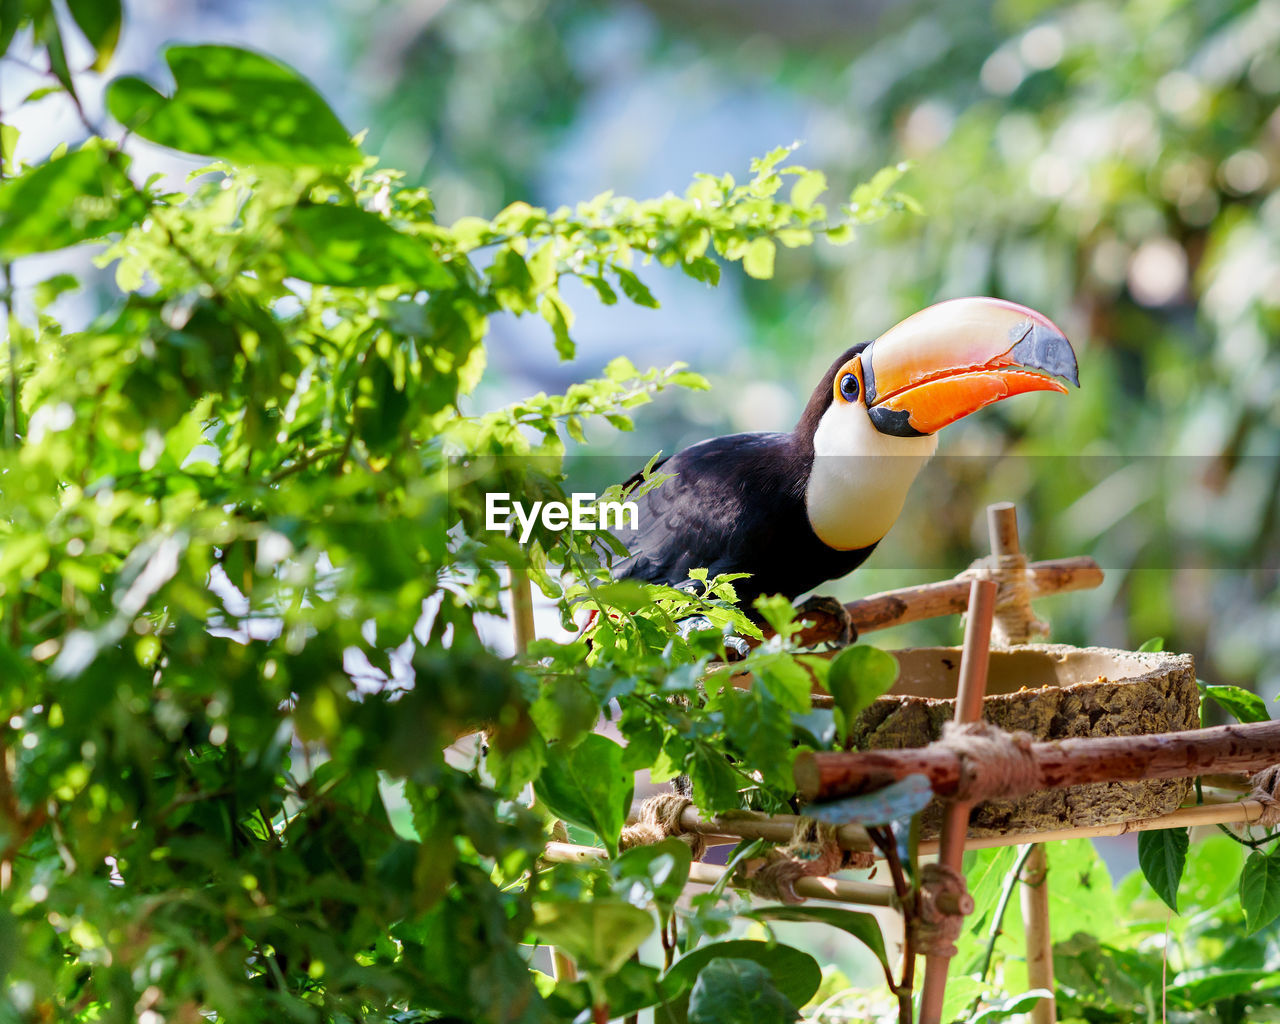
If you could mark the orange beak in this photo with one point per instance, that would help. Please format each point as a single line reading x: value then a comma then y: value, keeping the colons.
x: 954, y: 357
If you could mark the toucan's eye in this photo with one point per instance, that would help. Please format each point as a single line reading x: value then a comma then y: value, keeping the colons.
x: 849, y: 387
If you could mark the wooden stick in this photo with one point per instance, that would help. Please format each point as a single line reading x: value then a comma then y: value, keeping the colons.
x: 950, y: 597
x: 1002, y: 527
x: 1039, y: 941
x: 1059, y: 763
x: 775, y: 828
x: 812, y: 887
x: 779, y: 827
x: 1244, y: 812
x: 521, y: 609
x: 1241, y: 812
x: 971, y: 689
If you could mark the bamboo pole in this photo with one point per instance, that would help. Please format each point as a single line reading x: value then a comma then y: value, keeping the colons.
x: 1033, y: 882
x: 811, y: 887
x: 562, y: 966
x: 971, y: 689
x: 774, y: 828
x: 1244, y: 812
x: 1057, y: 763
x: 1002, y: 528
x: 521, y: 609
x: 778, y: 828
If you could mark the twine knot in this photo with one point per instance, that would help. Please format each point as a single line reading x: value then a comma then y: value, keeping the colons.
x: 659, y: 819
x: 941, y: 906
x: 812, y: 851
x: 994, y: 764
x: 1266, y: 790
x: 1015, y: 620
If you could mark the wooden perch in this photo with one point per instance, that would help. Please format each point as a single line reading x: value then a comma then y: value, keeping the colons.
x: 1171, y: 755
x: 951, y: 597
x: 812, y: 887
x: 778, y: 828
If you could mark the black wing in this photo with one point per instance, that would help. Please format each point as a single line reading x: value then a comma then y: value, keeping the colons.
x: 735, y: 504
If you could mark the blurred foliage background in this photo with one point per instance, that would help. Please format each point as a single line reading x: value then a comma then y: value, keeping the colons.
x: 1113, y: 164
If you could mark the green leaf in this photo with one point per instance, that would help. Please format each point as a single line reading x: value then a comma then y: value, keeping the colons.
x: 735, y: 991
x: 863, y: 927
x: 48, y: 32
x: 1006, y: 1008
x: 986, y: 873
x: 1260, y: 889
x: 1239, y: 703
x: 1156, y: 643
x: 795, y: 974
x: 757, y: 261
x: 75, y: 198
x: 11, y: 16
x: 807, y: 188
x: 715, y: 783
x: 1218, y: 984
x: 858, y: 675
x: 600, y: 935
x: 785, y: 678
x: 704, y: 269
x: 755, y: 727
x: 47, y: 291
x: 589, y: 786
x: 99, y: 20
x: 630, y: 989
x: 1162, y: 855
x: 840, y: 234
x: 8, y: 143
x: 35, y: 95
x: 238, y: 105
x: 348, y: 247
x: 635, y: 289
x: 560, y: 317
x: 653, y: 874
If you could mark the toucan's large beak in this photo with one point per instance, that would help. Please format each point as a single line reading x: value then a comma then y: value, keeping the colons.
x: 953, y: 358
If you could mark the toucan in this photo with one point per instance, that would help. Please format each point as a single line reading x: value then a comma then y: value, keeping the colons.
x: 798, y: 509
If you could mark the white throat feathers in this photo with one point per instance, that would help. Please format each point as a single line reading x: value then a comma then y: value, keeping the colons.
x: 860, y: 477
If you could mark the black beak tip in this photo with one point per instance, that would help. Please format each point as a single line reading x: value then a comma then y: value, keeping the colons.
x: 1045, y: 349
x: 894, y: 422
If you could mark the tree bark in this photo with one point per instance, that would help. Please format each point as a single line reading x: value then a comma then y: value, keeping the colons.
x: 1224, y: 748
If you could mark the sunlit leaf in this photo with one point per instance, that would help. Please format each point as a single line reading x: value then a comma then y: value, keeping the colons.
x: 348, y: 247
x: 858, y: 675
x: 99, y: 20
x: 74, y: 198
x: 588, y: 786
x: 234, y: 104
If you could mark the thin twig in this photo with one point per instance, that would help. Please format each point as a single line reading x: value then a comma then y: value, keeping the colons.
x: 884, y: 839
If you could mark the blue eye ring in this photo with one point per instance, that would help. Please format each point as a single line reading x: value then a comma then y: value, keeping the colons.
x: 849, y: 387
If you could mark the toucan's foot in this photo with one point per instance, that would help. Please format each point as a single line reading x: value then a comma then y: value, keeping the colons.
x: 829, y: 620
x: 735, y: 647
